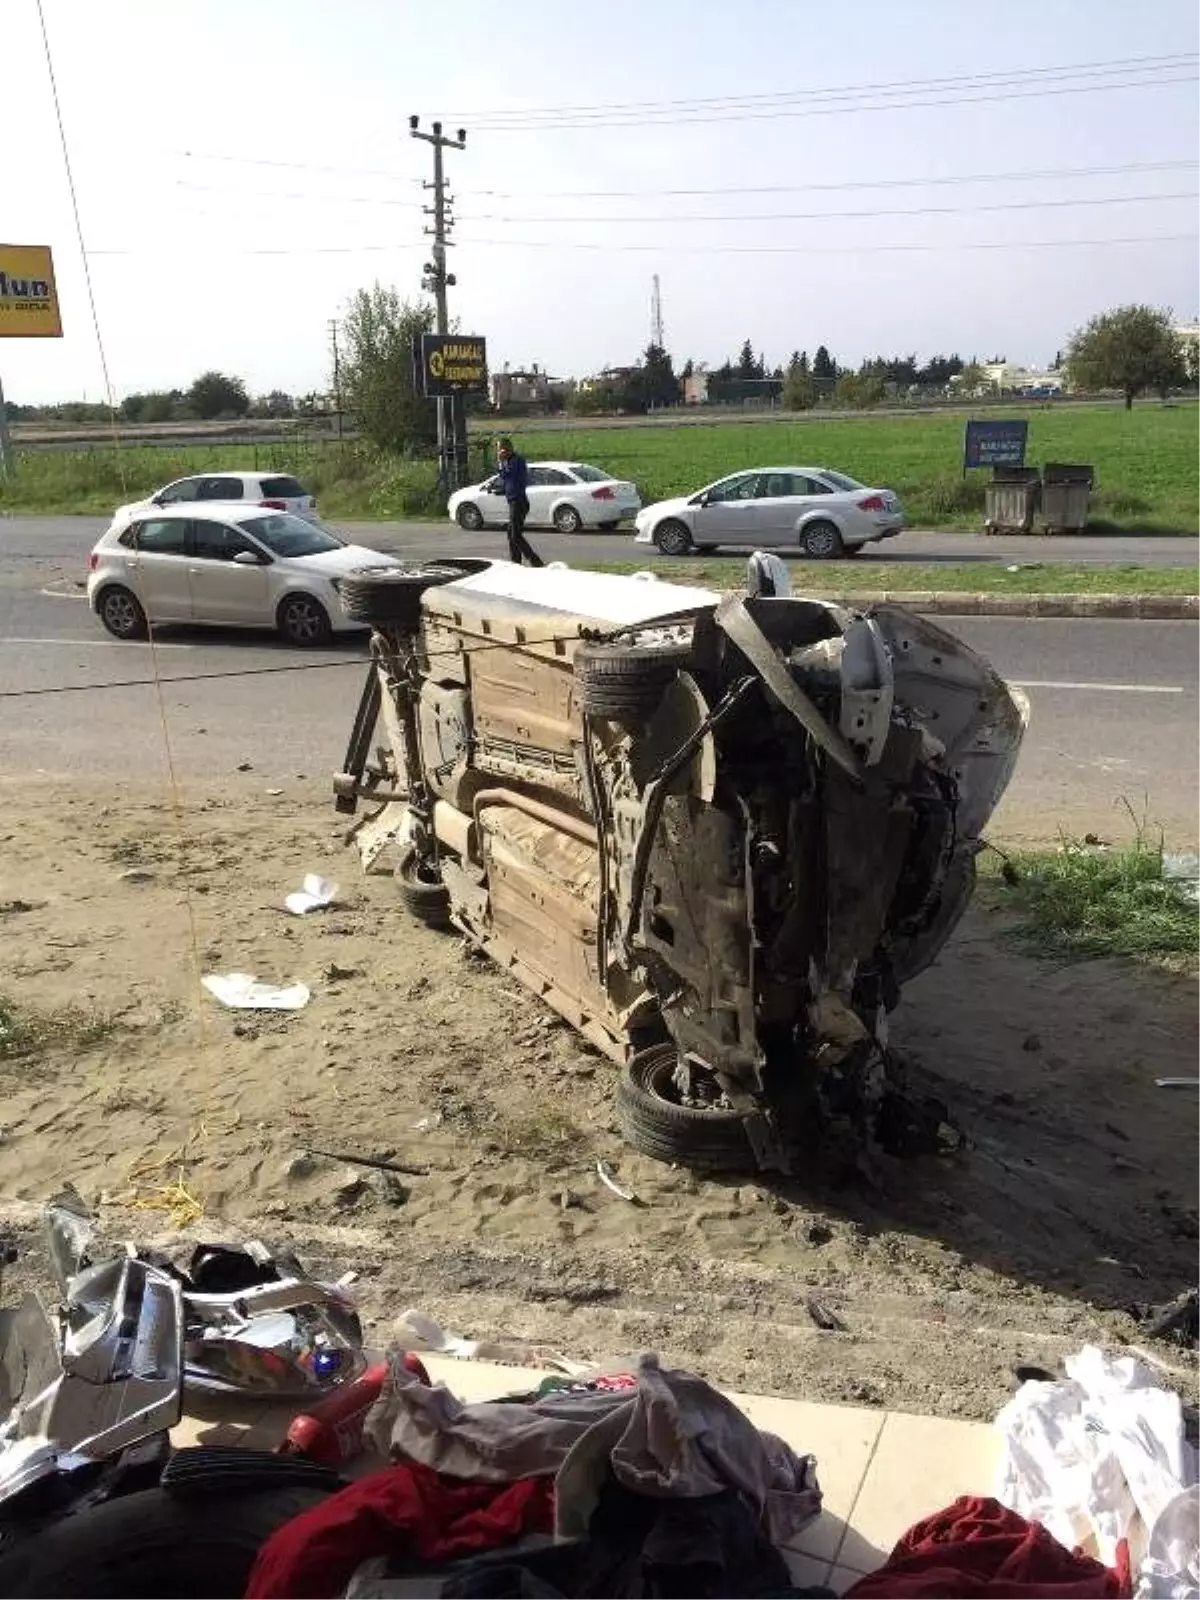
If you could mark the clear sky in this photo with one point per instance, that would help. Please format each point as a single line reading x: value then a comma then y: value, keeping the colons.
x: 206, y: 133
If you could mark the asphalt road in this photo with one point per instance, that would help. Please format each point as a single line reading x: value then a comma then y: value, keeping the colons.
x: 65, y: 542
x: 1114, y: 704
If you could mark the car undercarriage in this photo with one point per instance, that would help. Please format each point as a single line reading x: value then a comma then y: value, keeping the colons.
x: 717, y: 834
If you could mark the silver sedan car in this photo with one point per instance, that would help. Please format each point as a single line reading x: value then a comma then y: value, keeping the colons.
x: 815, y: 510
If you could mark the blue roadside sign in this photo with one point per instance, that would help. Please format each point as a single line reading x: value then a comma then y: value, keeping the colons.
x: 995, y: 444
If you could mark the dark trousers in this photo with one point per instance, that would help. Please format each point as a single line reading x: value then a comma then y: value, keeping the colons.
x: 519, y: 548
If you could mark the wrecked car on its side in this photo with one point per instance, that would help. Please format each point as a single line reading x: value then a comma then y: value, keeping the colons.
x: 717, y: 834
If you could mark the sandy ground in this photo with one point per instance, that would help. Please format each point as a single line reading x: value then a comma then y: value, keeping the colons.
x: 1075, y: 1201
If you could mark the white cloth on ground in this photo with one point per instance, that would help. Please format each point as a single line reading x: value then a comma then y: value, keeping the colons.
x: 1099, y: 1457
x: 672, y: 1435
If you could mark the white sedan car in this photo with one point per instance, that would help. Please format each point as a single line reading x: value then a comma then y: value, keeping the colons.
x: 567, y: 495
x: 822, y: 513
x: 277, y: 491
x: 236, y: 566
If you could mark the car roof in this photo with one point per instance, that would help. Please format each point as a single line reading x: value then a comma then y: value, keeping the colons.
x: 217, y: 472
x: 196, y: 508
x: 739, y: 472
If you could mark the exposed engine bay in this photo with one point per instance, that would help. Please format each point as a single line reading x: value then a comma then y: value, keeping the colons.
x: 716, y: 833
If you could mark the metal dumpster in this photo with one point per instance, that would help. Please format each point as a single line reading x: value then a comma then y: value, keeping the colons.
x: 1066, y: 497
x: 1011, y: 499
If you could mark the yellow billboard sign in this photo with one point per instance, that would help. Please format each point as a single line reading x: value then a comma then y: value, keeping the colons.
x: 28, y: 298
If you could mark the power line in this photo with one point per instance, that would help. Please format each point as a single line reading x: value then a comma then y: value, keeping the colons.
x: 868, y: 105
x: 941, y: 246
x: 1119, y: 64
x: 858, y: 216
x: 1034, y: 175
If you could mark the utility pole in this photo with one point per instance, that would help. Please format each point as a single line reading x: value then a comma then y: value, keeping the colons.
x: 337, y: 374
x: 451, y: 419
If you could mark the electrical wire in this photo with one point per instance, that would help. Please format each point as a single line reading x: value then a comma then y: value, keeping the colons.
x: 854, y: 109
x: 664, y: 248
x: 1118, y: 64
x: 1047, y: 174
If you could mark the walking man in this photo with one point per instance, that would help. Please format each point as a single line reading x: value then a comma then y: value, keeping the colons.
x: 514, y: 478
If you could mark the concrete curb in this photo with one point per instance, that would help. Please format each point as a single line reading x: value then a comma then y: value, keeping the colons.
x: 1130, y: 607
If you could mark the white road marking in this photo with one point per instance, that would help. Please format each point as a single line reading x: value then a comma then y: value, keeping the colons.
x: 1101, y: 688
x: 99, y: 644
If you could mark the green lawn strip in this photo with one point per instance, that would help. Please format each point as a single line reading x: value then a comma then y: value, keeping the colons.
x: 1146, y: 464
x: 982, y: 577
x: 1080, y: 902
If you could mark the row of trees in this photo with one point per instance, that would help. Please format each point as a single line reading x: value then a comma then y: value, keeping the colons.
x: 213, y: 396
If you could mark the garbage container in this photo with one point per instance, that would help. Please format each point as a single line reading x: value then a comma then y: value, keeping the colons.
x: 1011, y: 500
x: 1066, y: 497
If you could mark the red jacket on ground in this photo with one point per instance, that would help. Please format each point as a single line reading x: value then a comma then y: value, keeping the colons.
x: 979, y: 1547
x: 408, y: 1510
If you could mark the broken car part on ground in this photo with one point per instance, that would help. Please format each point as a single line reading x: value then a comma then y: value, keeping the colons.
x: 716, y: 834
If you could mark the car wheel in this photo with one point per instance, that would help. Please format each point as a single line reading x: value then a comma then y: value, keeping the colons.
x: 694, y: 1128
x: 122, y: 614
x: 567, y: 519
x: 152, y: 1543
x: 673, y: 538
x: 822, y: 541
x: 383, y: 597
x: 469, y: 517
x: 304, y: 621
x: 625, y: 682
x: 422, y: 892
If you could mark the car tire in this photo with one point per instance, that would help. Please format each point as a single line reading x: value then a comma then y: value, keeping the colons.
x: 673, y: 538
x: 652, y: 1120
x: 625, y: 682
x: 469, y: 517
x: 303, y: 621
x: 381, y: 597
x: 154, y: 1543
x: 822, y: 541
x: 121, y: 613
x: 422, y: 893
x: 567, y: 519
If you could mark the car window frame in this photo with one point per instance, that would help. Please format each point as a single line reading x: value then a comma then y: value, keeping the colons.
x: 140, y: 549
x: 160, y: 495
x: 734, y: 477
x: 818, y: 486
x: 220, y: 477
x: 264, y: 557
x: 555, y: 478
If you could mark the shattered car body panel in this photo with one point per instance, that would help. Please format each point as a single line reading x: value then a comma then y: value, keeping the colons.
x: 761, y: 823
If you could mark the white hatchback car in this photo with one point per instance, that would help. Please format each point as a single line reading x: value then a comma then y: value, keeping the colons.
x: 236, y: 566
x: 821, y: 513
x: 277, y: 491
x: 566, y: 495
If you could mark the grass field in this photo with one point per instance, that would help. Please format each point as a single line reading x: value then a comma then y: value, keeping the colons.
x: 1145, y: 461
x: 977, y: 577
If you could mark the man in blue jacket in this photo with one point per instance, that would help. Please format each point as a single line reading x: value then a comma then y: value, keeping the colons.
x: 514, y: 480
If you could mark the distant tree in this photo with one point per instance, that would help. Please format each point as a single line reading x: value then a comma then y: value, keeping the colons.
x: 1132, y: 348
x: 971, y: 379
x: 799, y: 390
x: 824, y: 367
x: 723, y: 374
x: 860, y: 390
x: 747, y: 364
x: 689, y: 369
x: 214, y: 394
x: 938, y: 370
x: 378, y: 386
x: 1191, y: 359
x: 658, y: 384
x: 276, y: 404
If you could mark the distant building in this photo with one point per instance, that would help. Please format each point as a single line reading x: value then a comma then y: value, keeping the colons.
x: 695, y: 389
x: 527, y: 390
x: 614, y: 375
x: 1007, y: 377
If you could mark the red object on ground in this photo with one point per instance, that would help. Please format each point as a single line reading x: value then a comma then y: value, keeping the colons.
x: 332, y: 1432
x: 979, y: 1547
x: 407, y: 1510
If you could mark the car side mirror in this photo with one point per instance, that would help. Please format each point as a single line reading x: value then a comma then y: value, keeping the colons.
x: 247, y: 558
x: 700, y: 500
x: 157, y: 500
